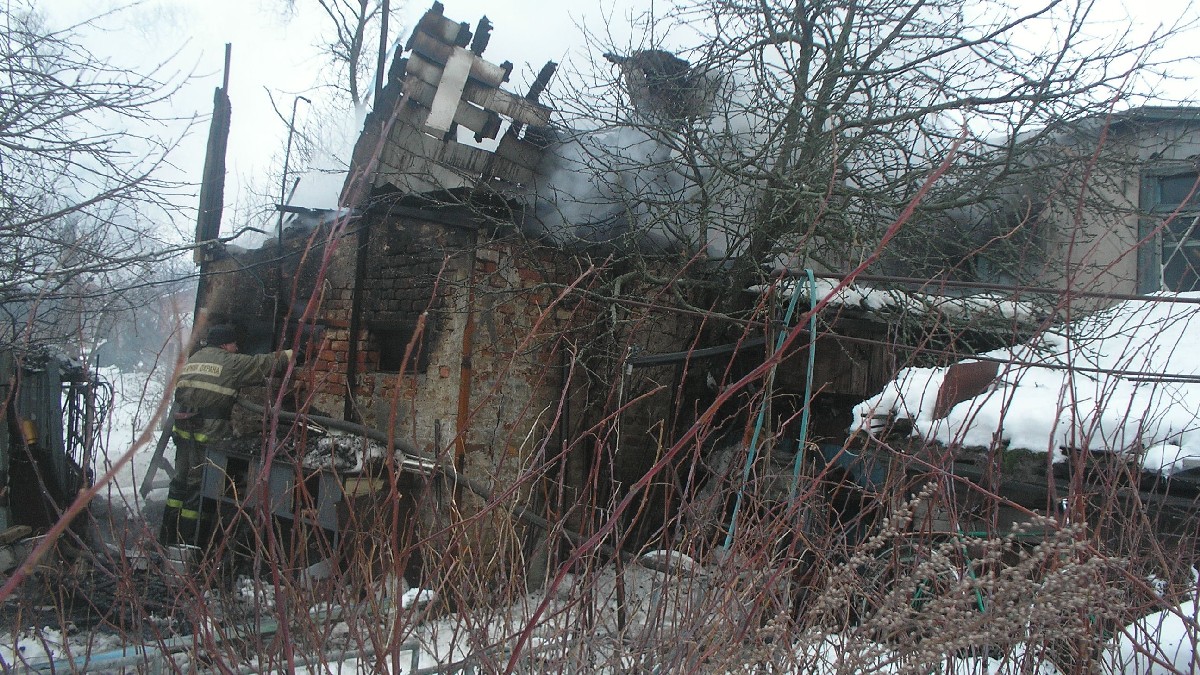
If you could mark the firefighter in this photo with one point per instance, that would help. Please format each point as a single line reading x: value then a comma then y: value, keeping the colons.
x: 204, y: 398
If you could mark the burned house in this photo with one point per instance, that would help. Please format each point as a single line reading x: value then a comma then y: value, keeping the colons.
x: 430, y: 308
x: 448, y: 310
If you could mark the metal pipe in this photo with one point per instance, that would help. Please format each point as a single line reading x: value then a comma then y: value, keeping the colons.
x: 284, y: 198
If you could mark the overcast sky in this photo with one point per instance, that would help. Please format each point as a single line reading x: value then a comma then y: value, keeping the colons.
x: 274, y: 53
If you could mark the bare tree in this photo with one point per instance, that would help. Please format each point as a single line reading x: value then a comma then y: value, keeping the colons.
x: 793, y: 133
x: 82, y: 206
x: 350, y: 46
x: 353, y: 44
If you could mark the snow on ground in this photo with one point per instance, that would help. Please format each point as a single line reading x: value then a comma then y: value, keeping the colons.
x: 661, y: 589
x: 1124, y: 380
x: 136, y: 397
x: 119, y: 508
x: 888, y: 301
x: 1163, y: 643
x: 48, y: 644
x: 660, y: 604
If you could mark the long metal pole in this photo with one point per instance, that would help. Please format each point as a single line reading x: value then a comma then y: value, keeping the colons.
x: 277, y: 337
x: 381, y: 63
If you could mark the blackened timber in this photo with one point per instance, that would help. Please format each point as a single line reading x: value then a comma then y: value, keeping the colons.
x: 485, y: 123
x: 519, y: 109
x: 381, y: 60
x: 535, y: 92
x: 212, y: 184
x: 511, y: 171
x: 413, y: 160
x: 440, y: 28
x: 522, y: 153
x: 449, y: 92
x: 439, y: 54
x: 483, y: 35
x: 492, y: 98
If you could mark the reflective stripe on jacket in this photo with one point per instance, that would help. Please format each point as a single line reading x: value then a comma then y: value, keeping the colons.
x: 209, y: 383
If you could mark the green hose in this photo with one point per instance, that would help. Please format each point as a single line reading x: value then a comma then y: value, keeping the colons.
x: 762, y: 411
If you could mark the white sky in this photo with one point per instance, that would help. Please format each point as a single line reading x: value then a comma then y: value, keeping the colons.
x: 273, y: 53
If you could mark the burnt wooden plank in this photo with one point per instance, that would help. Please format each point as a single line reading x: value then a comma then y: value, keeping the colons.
x: 439, y: 53
x: 465, y: 157
x: 485, y: 123
x: 442, y: 29
x: 511, y: 171
x: 521, y: 153
x: 516, y: 107
x: 425, y: 70
x: 414, y: 174
x: 413, y: 159
x: 430, y: 48
x: 424, y: 76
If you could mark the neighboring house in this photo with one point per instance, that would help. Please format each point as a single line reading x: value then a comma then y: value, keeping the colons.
x: 1168, y: 196
x: 1134, y: 231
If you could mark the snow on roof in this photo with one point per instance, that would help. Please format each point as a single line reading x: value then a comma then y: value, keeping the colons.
x: 1124, y: 380
x: 891, y: 302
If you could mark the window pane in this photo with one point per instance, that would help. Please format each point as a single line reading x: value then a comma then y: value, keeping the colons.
x: 1183, y: 228
x: 1181, y: 256
x: 1173, y: 190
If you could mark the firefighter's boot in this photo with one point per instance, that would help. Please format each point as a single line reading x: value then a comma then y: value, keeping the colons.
x: 189, y: 527
x: 168, y: 533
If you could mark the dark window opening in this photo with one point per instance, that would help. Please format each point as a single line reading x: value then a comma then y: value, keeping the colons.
x: 392, y: 341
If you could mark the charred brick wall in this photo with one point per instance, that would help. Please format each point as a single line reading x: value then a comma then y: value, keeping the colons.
x: 486, y: 351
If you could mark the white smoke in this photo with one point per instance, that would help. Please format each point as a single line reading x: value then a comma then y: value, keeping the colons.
x: 653, y: 187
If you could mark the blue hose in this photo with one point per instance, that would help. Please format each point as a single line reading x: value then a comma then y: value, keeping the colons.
x: 762, y: 411
x: 808, y: 382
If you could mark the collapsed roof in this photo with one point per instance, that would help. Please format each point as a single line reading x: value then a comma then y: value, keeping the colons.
x: 411, y: 142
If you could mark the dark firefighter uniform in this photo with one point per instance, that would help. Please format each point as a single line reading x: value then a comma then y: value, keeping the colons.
x: 204, y: 399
